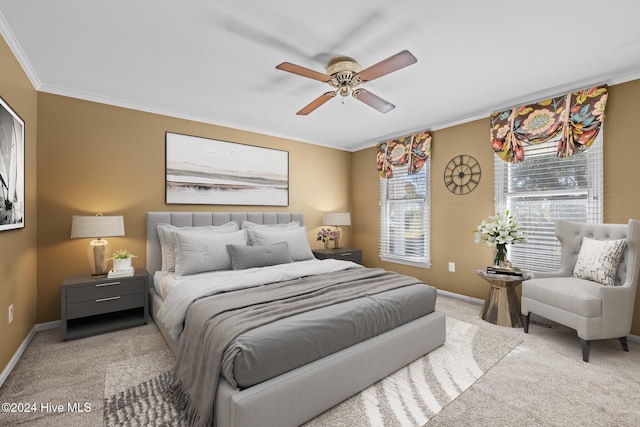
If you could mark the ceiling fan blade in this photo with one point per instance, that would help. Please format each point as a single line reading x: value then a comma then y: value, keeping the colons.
x: 386, y: 66
x: 373, y: 101
x: 316, y: 103
x: 302, y: 71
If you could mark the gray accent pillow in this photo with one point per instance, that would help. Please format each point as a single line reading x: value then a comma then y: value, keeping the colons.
x: 198, y: 252
x: 168, y: 242
x: 296, y: 239
x: 243, y: 257
x: 598, y: 260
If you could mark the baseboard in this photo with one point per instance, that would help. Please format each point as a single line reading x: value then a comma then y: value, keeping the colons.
x: 25, y: 343
x: 460, y: 296
x: 16, y: 357
x: 47, y: 326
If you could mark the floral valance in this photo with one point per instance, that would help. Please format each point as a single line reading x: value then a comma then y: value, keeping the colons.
x: 412, y: 150
x: 578, y: 116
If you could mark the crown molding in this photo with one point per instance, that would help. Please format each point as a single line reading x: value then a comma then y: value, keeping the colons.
x: 15, y: 47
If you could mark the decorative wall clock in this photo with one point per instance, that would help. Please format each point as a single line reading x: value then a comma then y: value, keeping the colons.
x: 462, y: 174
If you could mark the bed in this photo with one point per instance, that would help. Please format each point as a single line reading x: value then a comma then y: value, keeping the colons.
x: 290, y: 398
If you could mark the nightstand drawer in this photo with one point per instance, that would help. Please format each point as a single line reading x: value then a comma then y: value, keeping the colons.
x: 105, y: 305
x: 105, y: 289
x: 349, y: 256
x: 354, y: 255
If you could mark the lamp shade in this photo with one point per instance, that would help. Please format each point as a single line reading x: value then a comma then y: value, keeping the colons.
x: 96, y: 226
x: 336, y: 218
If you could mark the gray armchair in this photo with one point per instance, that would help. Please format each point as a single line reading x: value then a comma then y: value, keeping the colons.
x: 595, y: 311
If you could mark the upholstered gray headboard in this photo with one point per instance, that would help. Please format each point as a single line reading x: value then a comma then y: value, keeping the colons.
x: 182, y: 219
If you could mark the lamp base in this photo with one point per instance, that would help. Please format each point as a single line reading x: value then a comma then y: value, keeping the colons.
x: 336, y: 240
x: 97, y: 260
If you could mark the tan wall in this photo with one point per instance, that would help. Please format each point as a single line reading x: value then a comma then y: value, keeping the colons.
x: 99, y: 158
x: 18, y: 247
x: 453, y: 217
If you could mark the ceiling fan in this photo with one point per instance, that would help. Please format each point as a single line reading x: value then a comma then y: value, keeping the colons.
x: 345, y: 75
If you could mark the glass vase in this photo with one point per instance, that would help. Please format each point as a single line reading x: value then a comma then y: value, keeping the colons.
x: 500, y: 255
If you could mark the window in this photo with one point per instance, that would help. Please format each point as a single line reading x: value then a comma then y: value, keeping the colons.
x: 404, y: 217
x: 544, y: 188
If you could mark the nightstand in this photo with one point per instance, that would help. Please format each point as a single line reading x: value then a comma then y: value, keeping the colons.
x: 345, y: 254
x: 90, y: 306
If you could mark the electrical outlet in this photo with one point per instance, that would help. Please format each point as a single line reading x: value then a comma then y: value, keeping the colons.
x: 11, y: 313
x: 452, y: 267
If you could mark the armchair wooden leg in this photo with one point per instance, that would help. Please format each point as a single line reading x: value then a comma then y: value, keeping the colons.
x: 525, y: 322
x: 623, y: 342
x: 586, y: 346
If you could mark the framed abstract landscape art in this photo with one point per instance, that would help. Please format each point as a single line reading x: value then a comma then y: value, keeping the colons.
x: 212, y: 172
x: 11, y: 168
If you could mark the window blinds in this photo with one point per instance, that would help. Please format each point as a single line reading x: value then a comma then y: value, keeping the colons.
x: 404, y: 217
x: 544, y: 188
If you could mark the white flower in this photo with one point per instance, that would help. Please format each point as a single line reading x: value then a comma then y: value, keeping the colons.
x: 501, y: 229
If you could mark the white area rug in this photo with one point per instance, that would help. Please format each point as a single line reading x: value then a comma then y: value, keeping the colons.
x: 409, y: 397
x: 415, y: 393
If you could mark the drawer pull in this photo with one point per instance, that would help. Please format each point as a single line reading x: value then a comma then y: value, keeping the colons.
x: 346, y: 254
x: 99, y: 285
x: 107, y: 299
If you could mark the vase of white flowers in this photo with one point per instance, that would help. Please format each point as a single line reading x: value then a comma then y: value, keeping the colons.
x: 499, y: 231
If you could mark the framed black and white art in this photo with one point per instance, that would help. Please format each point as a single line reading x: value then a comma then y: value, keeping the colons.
x: 11, y: 168
x: 208, y: 171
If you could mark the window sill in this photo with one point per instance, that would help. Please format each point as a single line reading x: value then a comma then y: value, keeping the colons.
x: 396, y: 260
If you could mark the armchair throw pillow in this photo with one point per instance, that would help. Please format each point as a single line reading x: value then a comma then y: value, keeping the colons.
x: 598, y: 260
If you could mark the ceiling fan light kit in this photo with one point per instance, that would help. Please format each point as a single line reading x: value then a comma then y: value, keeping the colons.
x: 345, y: 75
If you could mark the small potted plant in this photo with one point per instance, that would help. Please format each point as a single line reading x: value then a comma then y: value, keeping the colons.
x: 122, y: 259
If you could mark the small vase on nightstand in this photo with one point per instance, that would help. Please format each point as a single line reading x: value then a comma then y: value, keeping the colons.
x: 326, y: 245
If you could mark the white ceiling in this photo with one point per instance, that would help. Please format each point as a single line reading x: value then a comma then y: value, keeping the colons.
x: 214, y: 61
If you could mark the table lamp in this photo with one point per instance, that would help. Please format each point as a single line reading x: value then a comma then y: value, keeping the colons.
x: 336, y: 219
x: 96, y: 227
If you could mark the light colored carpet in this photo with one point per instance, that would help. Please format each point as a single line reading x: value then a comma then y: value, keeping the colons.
x: 409, y: 397
x: 415, y: 393
x: 541, y: 382
x: 59, y: 373
x: 544, y: 382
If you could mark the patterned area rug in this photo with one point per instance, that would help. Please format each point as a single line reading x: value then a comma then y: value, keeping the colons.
x: 409, y: 397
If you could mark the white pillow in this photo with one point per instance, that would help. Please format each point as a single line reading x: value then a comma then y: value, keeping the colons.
x: 167, y: 239
x: 296, y: 239
x: 254, y: 226
x: 598, y: 260
x: 200, y: 252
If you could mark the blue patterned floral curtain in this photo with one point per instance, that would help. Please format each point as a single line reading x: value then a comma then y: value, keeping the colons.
x: 412, y: 150
x: 578, y: 115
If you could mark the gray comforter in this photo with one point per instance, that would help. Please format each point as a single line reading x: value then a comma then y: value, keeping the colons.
x: 213, y: 323
x: 278, y: 347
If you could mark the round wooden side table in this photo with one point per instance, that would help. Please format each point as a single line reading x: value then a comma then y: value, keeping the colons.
x: 502, y: 305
